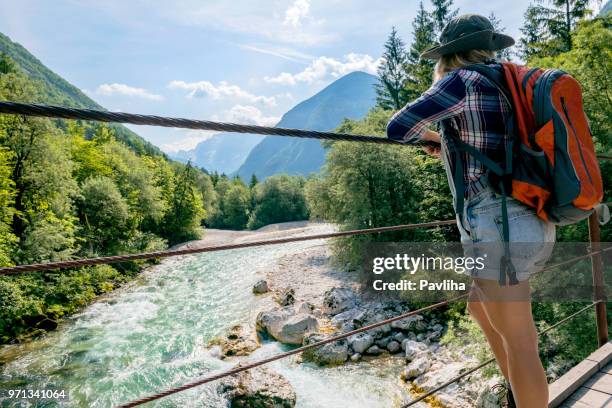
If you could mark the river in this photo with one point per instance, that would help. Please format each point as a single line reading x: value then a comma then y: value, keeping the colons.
x: 152, y: 333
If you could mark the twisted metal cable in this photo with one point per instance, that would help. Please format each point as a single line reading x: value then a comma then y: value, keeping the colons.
x: 257, y: 363
x: 51, y: 111
x: 187, y: 251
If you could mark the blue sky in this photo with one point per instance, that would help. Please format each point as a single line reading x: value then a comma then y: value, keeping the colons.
x: 242, y: 61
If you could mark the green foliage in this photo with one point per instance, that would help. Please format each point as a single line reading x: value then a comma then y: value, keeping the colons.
x: 365, y: 186
x: 548, y: 27
x: 279, y: 199
x: 419, y: 70
x: 237, y: 205
x: 392, y: 75
x: 183, y: 220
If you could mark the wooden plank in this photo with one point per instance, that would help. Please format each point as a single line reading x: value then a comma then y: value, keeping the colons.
x: 574, y: 404
x: 602, y: 355
x: 565, y: 386
x: 592, y: 398
x: 601, y: 382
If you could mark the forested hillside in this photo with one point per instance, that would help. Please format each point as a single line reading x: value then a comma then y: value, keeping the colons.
x: 53, y: 89
x: 70, y: 189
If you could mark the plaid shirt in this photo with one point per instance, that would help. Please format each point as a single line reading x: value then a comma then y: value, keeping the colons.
x: 468, y: 103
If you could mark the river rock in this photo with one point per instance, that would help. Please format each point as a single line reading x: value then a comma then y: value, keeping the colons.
x: 415, y: 369
x: 239, y: 341
x: 258, y: 388
x: 356, y: 357
x: 337, y: 300
x: 285, y: 297
x: 374, y: 350
x: 335, y: 353
x: 285, y: 325
x: 306, y: 307
x: 413, y: 348
x: 406, y: 323
x: 394, y: 347
x: 360, y: 342
x: 382, y: 343
x: 261, y: 287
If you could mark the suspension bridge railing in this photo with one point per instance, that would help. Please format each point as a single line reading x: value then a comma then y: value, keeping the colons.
x: 119, y: 117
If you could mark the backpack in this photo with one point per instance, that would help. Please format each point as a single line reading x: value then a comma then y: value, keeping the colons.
x: 550, y: 163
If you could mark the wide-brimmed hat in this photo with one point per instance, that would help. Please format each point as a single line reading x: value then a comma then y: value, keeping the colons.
x: 468, y: 32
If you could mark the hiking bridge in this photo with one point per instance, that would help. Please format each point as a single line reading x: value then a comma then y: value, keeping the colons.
x: 588, y: 384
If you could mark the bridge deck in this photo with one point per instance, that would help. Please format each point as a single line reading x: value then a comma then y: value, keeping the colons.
x: 589, y: 384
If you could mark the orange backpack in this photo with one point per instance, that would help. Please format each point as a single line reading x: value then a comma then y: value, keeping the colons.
x: 554, y: 167
x: 551, y: 163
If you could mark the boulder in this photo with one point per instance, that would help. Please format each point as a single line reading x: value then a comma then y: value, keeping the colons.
x: 335, y: 353
x: 285, y: 326
x: 337, y: 300
x: 261, y: 287
x: 285, y: 297
x: 413, y: 348
x: 374, y: 350
x: 406, y: 323
x: 415, y: 369
x: 239, y: 341
x: 382, y: 343
x: 394, y: 347
x: 258, y: 387
x: 360, y: 342
x: 399, y: 337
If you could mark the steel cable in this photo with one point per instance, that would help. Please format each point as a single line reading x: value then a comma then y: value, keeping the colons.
x: 187, y: 251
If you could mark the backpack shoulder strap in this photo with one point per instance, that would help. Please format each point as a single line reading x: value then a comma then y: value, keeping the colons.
x: 495, y: 76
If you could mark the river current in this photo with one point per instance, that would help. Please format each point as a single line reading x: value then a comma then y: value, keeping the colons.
x: 152, y: 333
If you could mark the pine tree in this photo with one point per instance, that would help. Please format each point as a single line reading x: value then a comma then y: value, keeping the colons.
x: 548, y: 29
x: 253, y: 181
x: 420, y: 70
x: 391, y: 75
x: 442, y: 13
x: 506, y: 53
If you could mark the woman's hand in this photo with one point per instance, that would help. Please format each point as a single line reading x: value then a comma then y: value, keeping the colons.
x: 431, y: 136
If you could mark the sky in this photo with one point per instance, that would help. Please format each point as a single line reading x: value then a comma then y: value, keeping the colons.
x: 241, y: 61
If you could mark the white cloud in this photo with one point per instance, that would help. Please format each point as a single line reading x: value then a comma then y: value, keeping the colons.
x: 222, y: 91
x: 298, y: 11
x: 249, y: 115
x: 189, y: 141
x: 325, y: 67
x: 123, y: 89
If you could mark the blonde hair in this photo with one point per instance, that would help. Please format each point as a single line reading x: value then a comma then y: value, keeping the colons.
x: 449, y: 62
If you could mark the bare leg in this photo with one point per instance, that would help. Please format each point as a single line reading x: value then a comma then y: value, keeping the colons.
x: 495, y: 341
x: 509, y: 311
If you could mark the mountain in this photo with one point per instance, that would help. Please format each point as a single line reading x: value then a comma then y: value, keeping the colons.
x: 58, y: 91
x: 606, y: 9
x: 224, y: 152
x: 348, y: 97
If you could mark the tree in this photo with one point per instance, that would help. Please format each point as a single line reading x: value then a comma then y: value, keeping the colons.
x: 420, y: 70
x: 442, y: 13
x: 547, y: 31
x: 8, y: 240
x: 105, y: 215
x: 253, y: 181
x: 391, y: 74
x: 506, y: 53
x: 182, y: 221
x: 236, y: 206
x: 279, y: 198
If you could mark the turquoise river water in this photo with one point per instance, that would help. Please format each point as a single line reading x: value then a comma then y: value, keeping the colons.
x: 152, y: 334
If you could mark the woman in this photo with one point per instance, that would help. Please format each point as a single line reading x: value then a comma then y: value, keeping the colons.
x: 469, y: 107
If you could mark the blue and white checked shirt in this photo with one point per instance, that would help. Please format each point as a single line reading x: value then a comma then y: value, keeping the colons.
x: 469, y: 103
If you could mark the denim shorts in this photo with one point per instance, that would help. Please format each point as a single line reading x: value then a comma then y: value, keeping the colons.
x: 531, y: 238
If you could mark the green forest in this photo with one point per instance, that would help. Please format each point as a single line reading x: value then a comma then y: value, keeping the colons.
x: 71, y: 189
